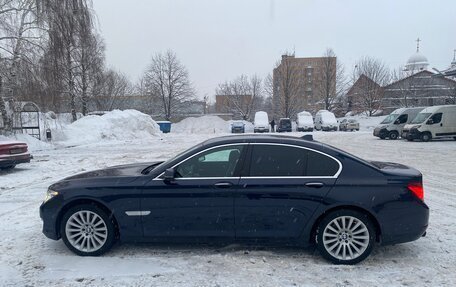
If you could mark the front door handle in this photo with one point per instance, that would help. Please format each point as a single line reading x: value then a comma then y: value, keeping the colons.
x: 223, y: 184
x: 315, y: 184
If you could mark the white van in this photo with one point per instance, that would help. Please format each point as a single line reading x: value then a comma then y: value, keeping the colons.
x: 325, y: 120
x: 261, y: 122
x: 391, y: 127
x: 305, y: 122
x: 432, y: 122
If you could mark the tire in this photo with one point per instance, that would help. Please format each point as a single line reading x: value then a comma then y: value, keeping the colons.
x: 425, y: 137
x: 96, y: 238
x: 358, y: 239
x: 393, y: 135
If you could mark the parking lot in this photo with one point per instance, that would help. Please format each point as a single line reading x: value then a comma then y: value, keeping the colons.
x: 28, y: 258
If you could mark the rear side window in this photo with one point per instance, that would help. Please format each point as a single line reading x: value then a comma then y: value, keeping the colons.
x: 321, y: 165
x: 277, y: 160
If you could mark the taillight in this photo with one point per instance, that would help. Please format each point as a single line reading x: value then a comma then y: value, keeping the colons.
x: 417, y: 189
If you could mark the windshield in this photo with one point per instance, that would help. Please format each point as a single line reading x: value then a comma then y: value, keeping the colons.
x: 389, y: 119
x: 421, y: 117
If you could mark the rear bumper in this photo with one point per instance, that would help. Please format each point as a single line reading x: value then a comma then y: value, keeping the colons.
x: 405, y: 225
x: 14, y: 159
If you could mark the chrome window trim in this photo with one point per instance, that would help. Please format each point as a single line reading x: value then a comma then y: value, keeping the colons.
x: 187, y: 178
x: 336, y: 175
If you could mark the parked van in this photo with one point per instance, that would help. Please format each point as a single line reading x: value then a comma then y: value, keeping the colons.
x: 391, y: 127
x: 305, y: 122
x: 325, y: 120
x: 432, y: 122
x: 261, y: 122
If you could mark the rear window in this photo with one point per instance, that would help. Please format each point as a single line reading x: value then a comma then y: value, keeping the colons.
x: 321, y: 165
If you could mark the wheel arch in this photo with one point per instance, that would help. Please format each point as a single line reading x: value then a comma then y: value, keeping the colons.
x: 81, y: 201
x: 378, y: 230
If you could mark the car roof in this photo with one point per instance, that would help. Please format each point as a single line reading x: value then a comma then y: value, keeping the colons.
x: 266, y: 138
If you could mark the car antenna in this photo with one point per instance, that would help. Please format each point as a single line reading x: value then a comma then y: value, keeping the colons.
x: 307, y: 137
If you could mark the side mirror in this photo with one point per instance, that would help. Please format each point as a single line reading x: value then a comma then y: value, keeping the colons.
x: 169, y: 175
x: 430, y: 122
x: 396, y: 122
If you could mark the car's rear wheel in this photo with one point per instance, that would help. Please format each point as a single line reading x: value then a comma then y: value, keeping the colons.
x: 345, y: 237
x: 87, y: 230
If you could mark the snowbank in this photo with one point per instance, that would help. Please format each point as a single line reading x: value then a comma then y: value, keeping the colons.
x: 114, y: 125
x: 201, y: 125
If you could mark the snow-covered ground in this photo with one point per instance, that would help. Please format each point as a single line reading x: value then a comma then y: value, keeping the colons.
x: 28, y: 258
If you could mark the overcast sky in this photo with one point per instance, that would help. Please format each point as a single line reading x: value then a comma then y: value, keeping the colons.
x: 219, y: 40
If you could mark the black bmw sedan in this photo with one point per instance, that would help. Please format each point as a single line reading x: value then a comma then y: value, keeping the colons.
x: 248, y: 188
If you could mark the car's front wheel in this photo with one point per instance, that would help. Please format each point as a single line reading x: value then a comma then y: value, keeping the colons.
x: 87, y: 230
x: 345, y: 237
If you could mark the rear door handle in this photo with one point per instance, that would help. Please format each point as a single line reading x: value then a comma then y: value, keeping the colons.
x: 315, y: 184
x: 223, y: 184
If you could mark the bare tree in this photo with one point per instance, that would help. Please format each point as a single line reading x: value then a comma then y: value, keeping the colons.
x: 241, y: 95
x: 369, y: 91
x: 167, y: 83
x: 68, y: 22
x: 287, y: 87
x: 332, y: 82
x: 19, y: 41
x: 111, y: 91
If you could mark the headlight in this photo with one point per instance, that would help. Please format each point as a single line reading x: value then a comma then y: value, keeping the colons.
x: 50, y: 194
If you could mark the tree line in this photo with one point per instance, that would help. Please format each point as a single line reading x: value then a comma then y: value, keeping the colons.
x: 52, y: 54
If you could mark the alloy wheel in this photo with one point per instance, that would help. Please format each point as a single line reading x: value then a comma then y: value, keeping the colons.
x: 346, y: 238
x: 86, y: 231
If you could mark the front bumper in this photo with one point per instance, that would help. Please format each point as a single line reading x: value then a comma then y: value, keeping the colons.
x: 49, y: 212
x: 411, y: 134
x: 261, y: 130
x: 237, y: 130
x: 381, y: 132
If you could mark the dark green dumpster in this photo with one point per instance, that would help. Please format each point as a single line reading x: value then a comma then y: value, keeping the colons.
x: 165, y: 126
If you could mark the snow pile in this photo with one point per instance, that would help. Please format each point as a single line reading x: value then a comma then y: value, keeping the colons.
x: 201, y: 125
x: 114, y: 125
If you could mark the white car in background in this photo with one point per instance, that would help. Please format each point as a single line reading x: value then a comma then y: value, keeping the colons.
x: 325, y: 121
x: 261, y: 122
x: 305, y: 122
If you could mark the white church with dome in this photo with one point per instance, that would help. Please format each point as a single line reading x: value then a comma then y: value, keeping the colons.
x: 421, y: 85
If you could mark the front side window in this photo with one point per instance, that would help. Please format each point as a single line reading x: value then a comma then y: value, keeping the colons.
x: 436, y: 118
x: 402, y: 119
x: 217, y: 162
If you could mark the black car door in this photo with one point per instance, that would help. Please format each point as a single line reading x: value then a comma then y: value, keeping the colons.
x: 280, y: 189
x: 199, y: 201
